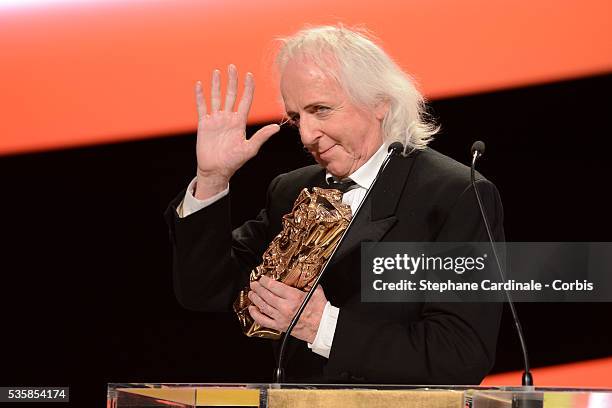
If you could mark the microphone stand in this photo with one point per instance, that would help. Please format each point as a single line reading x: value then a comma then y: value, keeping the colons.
x: 477, y: 151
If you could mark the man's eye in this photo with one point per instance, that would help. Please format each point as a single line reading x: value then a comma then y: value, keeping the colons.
x: 322, y: 110
x: 290, y: 120
x: 294, y: 120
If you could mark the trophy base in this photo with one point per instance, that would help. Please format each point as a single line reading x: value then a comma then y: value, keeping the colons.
x: 258, y: 331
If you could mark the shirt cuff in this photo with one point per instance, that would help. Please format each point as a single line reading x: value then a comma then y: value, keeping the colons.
x: 322, y: 343
x: 190, y: 204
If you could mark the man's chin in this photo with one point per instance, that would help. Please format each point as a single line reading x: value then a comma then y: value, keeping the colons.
x: 334, y: 171
x: 331, y: 167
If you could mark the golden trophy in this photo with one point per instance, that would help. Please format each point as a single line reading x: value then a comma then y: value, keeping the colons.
x: 297, y: 254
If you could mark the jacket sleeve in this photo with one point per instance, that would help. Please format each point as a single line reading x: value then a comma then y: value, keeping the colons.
x: 211, y: 263
x: 450, y: 343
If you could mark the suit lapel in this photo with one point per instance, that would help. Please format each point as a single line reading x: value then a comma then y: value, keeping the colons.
x: 377, y: 215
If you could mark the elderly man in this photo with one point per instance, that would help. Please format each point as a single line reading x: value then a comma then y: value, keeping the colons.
x: 349, y: 101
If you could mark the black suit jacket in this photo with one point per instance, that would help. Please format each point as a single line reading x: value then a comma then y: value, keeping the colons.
x: 423, y: 197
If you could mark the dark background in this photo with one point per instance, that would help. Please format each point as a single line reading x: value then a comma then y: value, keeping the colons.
x: 86, y: 293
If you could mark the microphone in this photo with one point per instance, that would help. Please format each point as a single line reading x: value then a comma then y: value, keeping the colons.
x: 477, y: 151
x: 395, y: 149
x: 478, y: 148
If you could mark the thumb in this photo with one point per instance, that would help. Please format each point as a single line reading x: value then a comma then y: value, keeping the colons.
x: 262, y: 135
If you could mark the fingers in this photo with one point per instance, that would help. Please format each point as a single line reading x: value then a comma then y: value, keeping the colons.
x: 215, y: 91
x: 275, y: 298
x: 270, y: 298
x: 278, y: 288
x: 230, y: 97
x: 261, y: 318
x: 274, y: 304
x: 200, y: 100
x: 247, y: 96
x: 263, y: 305
x: 262, y: 137
x: 232, y: 86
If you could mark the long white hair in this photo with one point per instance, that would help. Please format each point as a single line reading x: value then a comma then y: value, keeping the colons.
x: 368, y: 75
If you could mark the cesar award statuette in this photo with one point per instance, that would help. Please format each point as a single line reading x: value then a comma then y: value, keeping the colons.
x: 297, y: 254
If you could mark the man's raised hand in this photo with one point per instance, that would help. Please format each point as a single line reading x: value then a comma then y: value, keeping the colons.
x: 222, y: 147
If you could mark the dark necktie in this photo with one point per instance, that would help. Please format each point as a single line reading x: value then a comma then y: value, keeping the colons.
x: 342, y: 185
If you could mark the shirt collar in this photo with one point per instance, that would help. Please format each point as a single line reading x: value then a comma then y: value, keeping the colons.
x: 364, y: 176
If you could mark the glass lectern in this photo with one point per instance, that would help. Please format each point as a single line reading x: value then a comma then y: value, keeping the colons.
x: 313, y: 396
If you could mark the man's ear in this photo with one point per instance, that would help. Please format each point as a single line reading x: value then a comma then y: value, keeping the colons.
x: 382, y: 108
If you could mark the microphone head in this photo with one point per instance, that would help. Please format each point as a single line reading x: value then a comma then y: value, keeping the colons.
x: 396, y: 148
x: 478, y: 146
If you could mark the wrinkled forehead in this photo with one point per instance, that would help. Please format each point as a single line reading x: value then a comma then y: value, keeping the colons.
x: 304, y: 77
x: 302, y: 71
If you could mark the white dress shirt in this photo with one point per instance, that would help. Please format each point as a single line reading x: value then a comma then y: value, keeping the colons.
x: 364, y: 177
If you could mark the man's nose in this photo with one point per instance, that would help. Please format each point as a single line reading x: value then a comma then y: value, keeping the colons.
x: 309, y: 131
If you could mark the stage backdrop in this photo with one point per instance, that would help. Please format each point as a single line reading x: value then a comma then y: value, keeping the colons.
x: 82, y: 72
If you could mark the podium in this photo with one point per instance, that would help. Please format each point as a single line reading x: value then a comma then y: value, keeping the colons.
x: 350, y: 396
